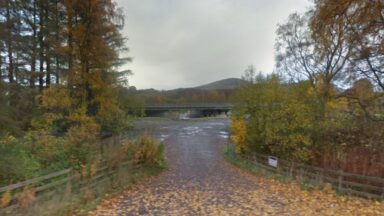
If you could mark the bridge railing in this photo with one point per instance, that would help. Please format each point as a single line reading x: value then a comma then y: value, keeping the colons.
x: 226, y: 106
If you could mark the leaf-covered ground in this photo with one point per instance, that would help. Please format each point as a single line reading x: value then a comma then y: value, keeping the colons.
x: 201, y: 182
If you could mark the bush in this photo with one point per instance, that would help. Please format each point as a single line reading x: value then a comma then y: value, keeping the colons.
x: 16, y: 163
x: 291, y: 121
x: 81, y: 142
x: 50, y: 151
x: 144, y: 150
x: 279, y: 118
x: 238, y: 137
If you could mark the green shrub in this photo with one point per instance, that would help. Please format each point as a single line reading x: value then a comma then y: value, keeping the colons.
x: 15, y: 161
x: 51, y: 152
x: 81, y: 142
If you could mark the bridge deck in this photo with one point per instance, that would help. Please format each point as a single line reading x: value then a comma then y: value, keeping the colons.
x: 189, y: 106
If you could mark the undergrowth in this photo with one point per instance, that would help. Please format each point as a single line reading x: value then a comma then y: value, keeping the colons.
x: 243, y: 164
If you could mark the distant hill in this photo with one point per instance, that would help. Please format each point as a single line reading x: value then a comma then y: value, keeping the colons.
x: 216, y: 92
x: 225, y: 84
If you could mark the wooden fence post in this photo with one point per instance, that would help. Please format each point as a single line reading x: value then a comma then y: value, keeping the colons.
x: 340, y: 180
x: 382, y: 193
x: 291, y: 170
x: 322, y: 174
x: 301, y: 178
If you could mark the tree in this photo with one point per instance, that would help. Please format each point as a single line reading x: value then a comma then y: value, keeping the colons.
x: 364, y: 21
x: 279, y: 118
x: 302, y: 57
x: 69, y: 43
x: 93, y: 42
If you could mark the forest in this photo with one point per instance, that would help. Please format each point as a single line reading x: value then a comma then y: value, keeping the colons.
x: 324, y: 105
x: 61, y: 89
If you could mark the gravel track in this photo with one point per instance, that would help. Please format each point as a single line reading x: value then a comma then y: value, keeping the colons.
x: 198, y: 182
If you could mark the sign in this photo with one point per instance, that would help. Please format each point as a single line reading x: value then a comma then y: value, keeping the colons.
x: 272, y: 161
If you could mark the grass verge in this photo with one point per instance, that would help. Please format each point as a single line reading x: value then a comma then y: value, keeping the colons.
x: 243, y: 164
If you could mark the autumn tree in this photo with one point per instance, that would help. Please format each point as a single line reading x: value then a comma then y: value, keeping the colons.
x: 72, y: 43
x: 302, y: 57
x: 364, y: 26
x: 279, y: 117
x: 364, y: 21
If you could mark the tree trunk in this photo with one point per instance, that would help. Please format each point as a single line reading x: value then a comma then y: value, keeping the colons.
x: 47, y: 50
x: 70, y: 46
x: 34, y: 48
x: 9, y: 44
x: 41, y: 43
x: 57, y: 73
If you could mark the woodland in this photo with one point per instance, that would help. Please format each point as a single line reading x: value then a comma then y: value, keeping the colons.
x: 61, y: 89
x: 324, y: 105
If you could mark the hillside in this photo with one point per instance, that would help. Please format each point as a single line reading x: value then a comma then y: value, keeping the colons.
x: 225, y: 84
x: 216, y: 92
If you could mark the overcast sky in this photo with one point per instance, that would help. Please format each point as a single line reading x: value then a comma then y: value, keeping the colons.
x: 186, y: 43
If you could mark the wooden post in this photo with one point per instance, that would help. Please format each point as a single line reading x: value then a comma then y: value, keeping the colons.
x: 300, y: 177
x: 382, y: 193
x: 340, y: 180
x: 322, y: 175
x: 291, y: 169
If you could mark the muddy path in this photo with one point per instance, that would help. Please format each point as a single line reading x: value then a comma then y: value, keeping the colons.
x: 198, y: 182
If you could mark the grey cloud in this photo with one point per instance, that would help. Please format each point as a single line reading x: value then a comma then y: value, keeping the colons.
x: 182, y: 43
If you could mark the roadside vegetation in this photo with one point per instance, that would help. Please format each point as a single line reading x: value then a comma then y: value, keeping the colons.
x: 62, y: 93
x: 277, y: 195
x: 61, y: 90
x: 324, y: 105
x: 122, y: 166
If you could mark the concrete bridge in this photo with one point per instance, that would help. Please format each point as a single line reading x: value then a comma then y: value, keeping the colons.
x: 198, y: 109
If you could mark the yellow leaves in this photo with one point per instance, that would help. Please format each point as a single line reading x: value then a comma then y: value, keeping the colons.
x: 79, y: 116
x: 339, y: 104
x: 109, y: 109
x: 46, y: 144
x: 85, y: 133
x: 56, y: 99
x: 93, y: 168
x: 147, y: 151
x: 88, y: 170
x: 315, y: 202
x: 269, y: 197
x: 9, y: 139
x: 5, y: 199
x: 239, y: 131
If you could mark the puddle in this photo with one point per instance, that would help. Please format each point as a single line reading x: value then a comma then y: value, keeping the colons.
x: 216, y: 123
x: 163, y: 137
x: 224, y: 134
x: 191, y: 130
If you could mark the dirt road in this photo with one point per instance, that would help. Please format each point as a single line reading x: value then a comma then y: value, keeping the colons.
x: 198, y: 181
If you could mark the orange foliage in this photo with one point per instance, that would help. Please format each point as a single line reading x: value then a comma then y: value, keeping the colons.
x: 239, y: 131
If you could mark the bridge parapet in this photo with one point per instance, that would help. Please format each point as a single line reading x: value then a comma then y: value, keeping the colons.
x: 173, y: 107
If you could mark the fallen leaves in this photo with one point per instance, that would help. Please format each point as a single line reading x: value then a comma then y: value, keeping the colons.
x: 230, y: 197
x: 199, y: 185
